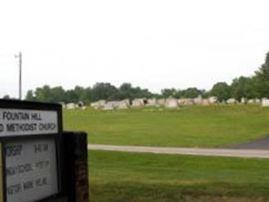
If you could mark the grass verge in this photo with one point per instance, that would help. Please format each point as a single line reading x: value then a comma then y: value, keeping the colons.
x: 119, y: 176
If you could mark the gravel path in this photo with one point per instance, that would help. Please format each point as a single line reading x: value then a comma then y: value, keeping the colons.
x: 245, y: 153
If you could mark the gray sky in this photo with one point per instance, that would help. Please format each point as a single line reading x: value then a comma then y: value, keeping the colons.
x: 151, y: 43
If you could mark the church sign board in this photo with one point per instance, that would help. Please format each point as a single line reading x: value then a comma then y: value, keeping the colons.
x: 30, y: 151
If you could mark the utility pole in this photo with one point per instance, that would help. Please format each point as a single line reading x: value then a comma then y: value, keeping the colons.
x: 20, y: 74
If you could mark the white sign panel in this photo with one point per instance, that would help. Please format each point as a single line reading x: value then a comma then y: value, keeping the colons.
x: 31, y: 170
x: 27, y: 122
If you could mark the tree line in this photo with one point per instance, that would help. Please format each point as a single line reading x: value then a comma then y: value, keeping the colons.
x: 256, y: 86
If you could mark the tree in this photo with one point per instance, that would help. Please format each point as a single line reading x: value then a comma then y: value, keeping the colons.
x: 126, y: 91
x: 243, y: 87
x: 261, y: 79
x: 43, y: 94
x: 192, y: 93
x: 70, y: 96
x: 57, y: 94
x: 104, y: 91
x: 221, y: 90
x: 6, y: 97
x: 86, y: 95
x: 168, y: 92
x: 30, y: 96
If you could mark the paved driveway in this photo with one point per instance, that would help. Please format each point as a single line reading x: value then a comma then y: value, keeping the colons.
x: 262, y: 143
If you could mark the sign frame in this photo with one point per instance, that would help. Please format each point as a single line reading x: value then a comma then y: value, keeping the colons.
x: 57, y: 137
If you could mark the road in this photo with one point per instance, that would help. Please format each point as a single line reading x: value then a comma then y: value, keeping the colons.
x: 245, y: 153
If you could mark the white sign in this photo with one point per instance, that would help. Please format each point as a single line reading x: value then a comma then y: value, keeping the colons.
x: 31, y: 170
x: 27, y: 122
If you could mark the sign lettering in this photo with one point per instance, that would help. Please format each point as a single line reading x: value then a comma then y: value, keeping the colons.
x: 27, y: 122
x: 31, y: 169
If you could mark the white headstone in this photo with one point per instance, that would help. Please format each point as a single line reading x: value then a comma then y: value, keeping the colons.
x: 161, y: 102
x: 243, y: 100
x: 124, y: 104
x: 110, y: 105
x: 206, y: 102
x: 213, y: 100
x: 70, y: 106
x: 152, y: 102
x: 171, y: 103
x: 139, y: 102
x: 99, y: 104
x: 231, y: 101
x: 265, y: 102
x: 251, y: 101
x: 198, y: 100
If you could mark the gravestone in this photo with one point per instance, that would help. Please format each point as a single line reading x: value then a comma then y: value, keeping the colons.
x: 231, y: 101
x: 171, y: 103
x: 138, y: 102
x: 265, y: 102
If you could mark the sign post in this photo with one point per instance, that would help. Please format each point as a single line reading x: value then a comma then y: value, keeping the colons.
x: 32, y: 153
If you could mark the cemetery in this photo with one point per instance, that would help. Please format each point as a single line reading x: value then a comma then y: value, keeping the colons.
x: 188, y: 126
x: 120, y: 176
x: 166, y: 103
x: 177, y: 145
x: 134, y: 101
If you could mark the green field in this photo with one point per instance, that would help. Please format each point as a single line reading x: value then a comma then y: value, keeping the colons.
x: 196, y: 126
x: 120, y: 177
x: 139, y: 177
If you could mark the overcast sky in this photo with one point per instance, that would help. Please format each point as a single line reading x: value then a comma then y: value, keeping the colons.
x: 151, y: 43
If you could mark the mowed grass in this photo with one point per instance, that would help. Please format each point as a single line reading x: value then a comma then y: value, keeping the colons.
x: 196, y: 126
x: 119, y: 176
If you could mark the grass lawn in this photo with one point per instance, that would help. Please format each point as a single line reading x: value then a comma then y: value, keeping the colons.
x: 124, y: 177
x: 196, y: 126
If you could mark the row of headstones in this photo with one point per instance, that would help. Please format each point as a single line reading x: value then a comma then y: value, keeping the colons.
x: 168, y: 103
x: 71, y: 105
x: 171, y: 102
